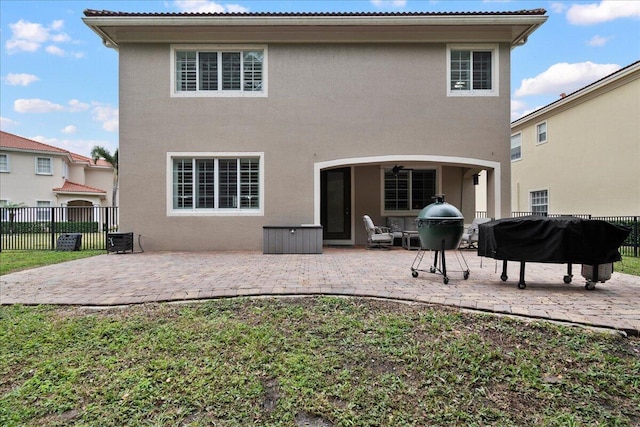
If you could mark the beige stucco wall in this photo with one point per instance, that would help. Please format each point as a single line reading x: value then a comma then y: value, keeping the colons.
x: 325, y: 103
x: 23, y: 185
x: 590, y: 163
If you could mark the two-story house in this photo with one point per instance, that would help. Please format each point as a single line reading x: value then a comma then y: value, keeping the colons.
x: 232, y: 122
x: 580, y: 154
x: 41, y: 175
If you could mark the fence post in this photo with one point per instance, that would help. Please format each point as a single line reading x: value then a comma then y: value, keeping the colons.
x: 105, y: 228
x: 52, y: 227
x: 636, y: 243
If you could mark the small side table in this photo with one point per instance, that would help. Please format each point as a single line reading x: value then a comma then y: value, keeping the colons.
x: 407, y: 235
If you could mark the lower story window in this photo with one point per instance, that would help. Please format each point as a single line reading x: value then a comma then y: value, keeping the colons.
x: 43, y: 213
x: 216, y: 183
x: 408, y: 189
x: 540, y: 202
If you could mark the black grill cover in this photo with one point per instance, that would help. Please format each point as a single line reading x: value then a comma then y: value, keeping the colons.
x: 553, y: 240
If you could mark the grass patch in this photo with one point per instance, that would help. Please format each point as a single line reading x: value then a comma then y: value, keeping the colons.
x: 628, y: 265
x: 308, y: 361
x: 12, y: 261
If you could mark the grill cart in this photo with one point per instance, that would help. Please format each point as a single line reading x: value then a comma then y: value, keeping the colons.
x: 563, y: 240
x: 440, y: 227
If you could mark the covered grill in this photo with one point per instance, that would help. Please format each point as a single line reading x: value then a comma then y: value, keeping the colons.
x: 440, y: 227
x: 564, y: 240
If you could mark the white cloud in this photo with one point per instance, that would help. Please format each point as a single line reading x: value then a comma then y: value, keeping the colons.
x: 206, y: 6
x: 107, y: 115
x: 20, y: 79
x: 599, y: 41
x: 564, y: 77
x: 54, y: 50
x: 558, y: 7
x: 75, y: 106
x: 389, y: 3
x: 36, y: 105
x: 30, y: 36
x: 606, y: 10
x: 71, y: 129
x: 6, y: 123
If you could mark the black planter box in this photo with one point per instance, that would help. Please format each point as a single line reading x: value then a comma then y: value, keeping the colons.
x: 69, y: 242
x: 120, y: 242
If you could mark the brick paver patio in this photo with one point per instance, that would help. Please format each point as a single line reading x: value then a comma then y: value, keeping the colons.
x: 117, y: 279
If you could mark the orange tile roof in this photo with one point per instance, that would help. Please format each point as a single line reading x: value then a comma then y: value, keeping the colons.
x: 8, y: 140
x: 73, y: 187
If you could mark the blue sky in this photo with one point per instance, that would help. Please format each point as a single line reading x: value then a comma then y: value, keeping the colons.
x: 59, y: 84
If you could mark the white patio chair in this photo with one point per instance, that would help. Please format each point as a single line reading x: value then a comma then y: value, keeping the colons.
x: 377, y: 237
x: 470, y: 236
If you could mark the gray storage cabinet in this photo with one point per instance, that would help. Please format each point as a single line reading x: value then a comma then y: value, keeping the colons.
x: 292, y: 239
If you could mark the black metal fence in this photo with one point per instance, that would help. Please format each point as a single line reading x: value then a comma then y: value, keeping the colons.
x: 38, y: 228
x: 631, y: 246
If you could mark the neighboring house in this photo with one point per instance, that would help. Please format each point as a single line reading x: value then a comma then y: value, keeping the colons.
x: 40, y: 175
x: 233, y: 122
x: 580, y: 154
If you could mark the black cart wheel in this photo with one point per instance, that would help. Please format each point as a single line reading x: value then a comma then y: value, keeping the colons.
x: 445, y: 280
x: 504, y: 277
x: 414, y: 273
x: 567, y: 279
x: 466, y: 275
x: 522, y: 285
x: 590, y: 286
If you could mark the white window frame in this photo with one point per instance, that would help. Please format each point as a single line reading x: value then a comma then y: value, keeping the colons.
x: 438, y: 189
x: 6, y: 165
x: 43, y: 213
x: 538, y: 133
x: 213, y: 212
x: 38, y: 171
x: 5, y: 211
x: 518, y: 134
x: 495, y: 68
x: 531, y: 200
x: 218, y: 48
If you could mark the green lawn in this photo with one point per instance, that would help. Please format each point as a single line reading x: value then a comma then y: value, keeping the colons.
x: 323, y: 361
x: 11, y: 261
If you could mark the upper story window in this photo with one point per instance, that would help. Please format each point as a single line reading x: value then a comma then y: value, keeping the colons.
x: 472, y: 70
x: 44, y: 166
x: 516, y: 146
x: 541, y: 133
x: 4, y: 162
x: 219, y: 70
x: 224, y: 183
x: 408, y: 189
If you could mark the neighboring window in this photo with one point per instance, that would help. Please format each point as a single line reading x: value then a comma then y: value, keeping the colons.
x: 219, y: 71
x: 43, y: 213
x: 222, y: 184
x: 5, y: 212
x: 541, y: 133
x: 516, y: 146
x: 408, y: 189
x: 472, y: 70
x: 539, y: 202
x: 44, y: 166
x: 4, y: 162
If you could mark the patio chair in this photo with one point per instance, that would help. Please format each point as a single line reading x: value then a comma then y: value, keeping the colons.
x: 470, y: 236
x: 377, y: 237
